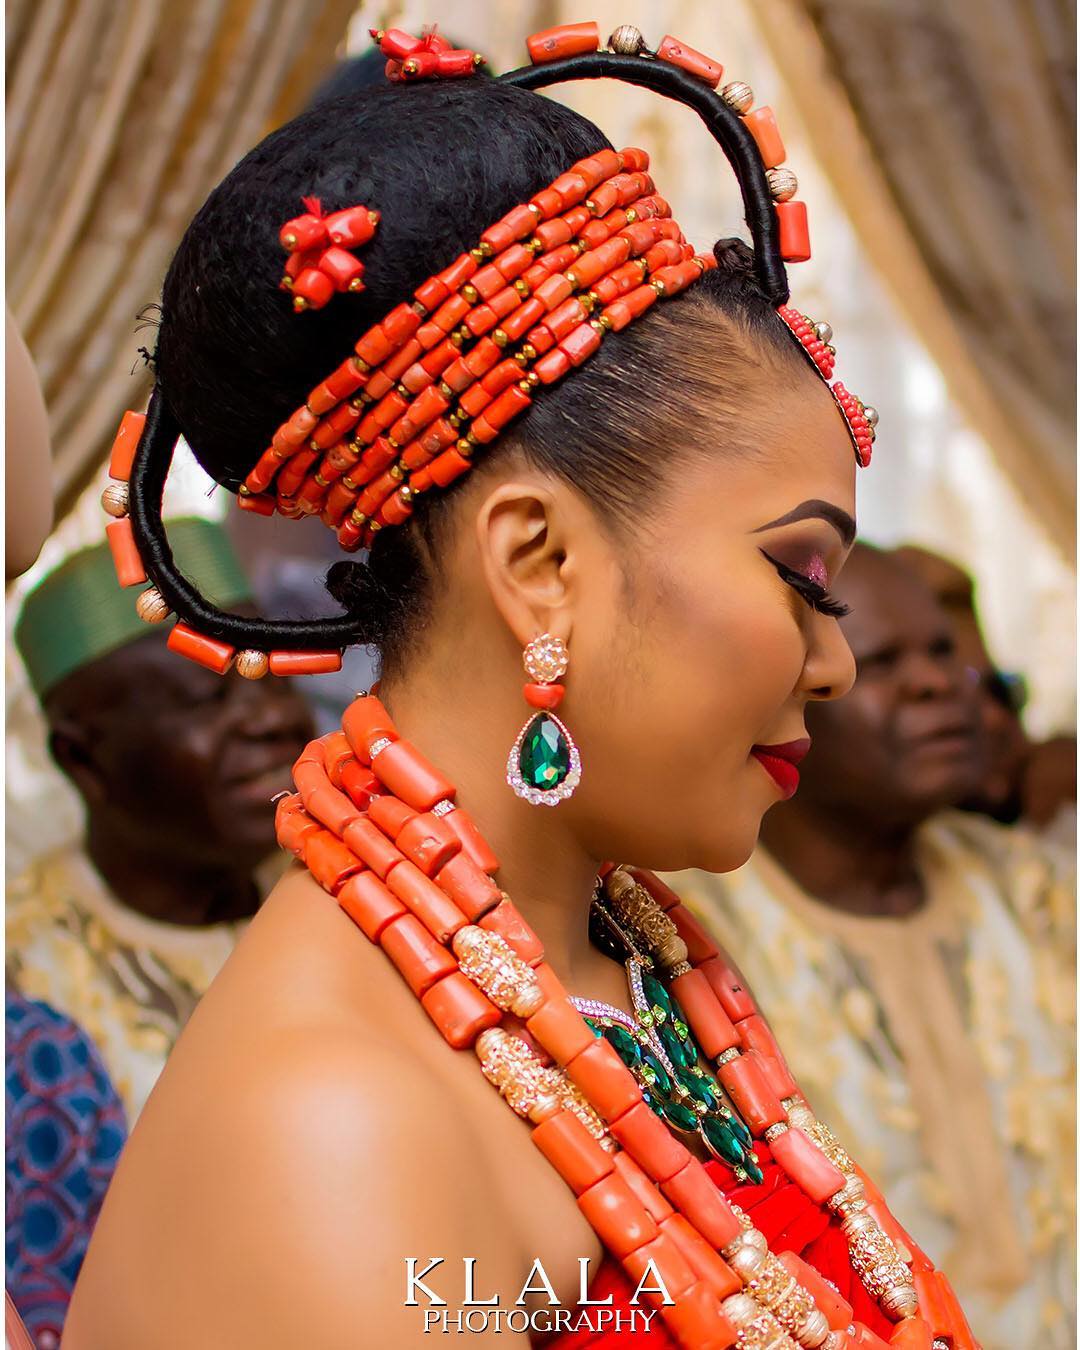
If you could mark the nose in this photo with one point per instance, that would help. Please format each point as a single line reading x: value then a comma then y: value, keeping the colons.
x: 927, y: 676
x: 268, y: 711
x: 829, y: 669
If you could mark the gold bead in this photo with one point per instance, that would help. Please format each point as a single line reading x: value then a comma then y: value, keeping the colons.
x: 579, y: 246
x: 151, y: 606
x: 534, y: 209
x: 358, y: 518
x: 397, y: 472
x: 522, y: 287
x: 244, y: 490
x: 406, y: 493
x: 464, y: 447
x: 631, y: 215
x: 599, y: 325
x: 535, y: 246
x: 252, y: 665
x: 374, y: 217
x: 738, y: 96
x: 588, y: 302
x: 572, y: 278
x: 456, y: 418
x: 356, y: 285
x: 470, y: 293
x: 591, y: 206
x: 529, y: 352
x: 289, y: 241
x: 627, y: 40
x: 499, y: 337
x: 348, y: 482
x: 362, y: 367
x: 286, y: 282
x: 479, y: 60
x: 521, y: 358
x: 299, y: 304
x: 445, y: 389
x: 871, y: 414
x: 321, y: 480
x: 487, y: 250
x: 402, y: 391
x: 455, y: 338
x: 477, y: 254
x: 782, y: 184
x: 531, y: 380
x: 658, y: 286
x: 823, y: 332
x: 114, y: 499
x: 410, y: 67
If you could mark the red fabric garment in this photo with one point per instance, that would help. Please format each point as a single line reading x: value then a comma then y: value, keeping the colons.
x: 789, y: 1219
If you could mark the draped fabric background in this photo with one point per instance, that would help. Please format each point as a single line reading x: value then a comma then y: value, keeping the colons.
x: 121, y: 115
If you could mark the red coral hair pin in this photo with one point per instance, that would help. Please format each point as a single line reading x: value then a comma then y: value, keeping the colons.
x: 429, y: 57
x: 321, y: 261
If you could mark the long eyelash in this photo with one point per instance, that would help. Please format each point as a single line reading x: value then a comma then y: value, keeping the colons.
x: 817, y: 597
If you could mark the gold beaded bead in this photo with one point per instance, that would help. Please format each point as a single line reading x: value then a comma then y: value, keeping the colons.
x: 397, y: 472
x: 782, y: 184
x: 252, y: 665
x: 464, y: 447
x: 522, y: 287
x: 470, y: 293
x: 151, y: 606
x: 322, y: 482
x: 114, y: 499
x: 445, y: 389
x: 529, y: 352
x: 631, y: 215
x: 499, y: 337
x: 358, y: 518
x: 626, y: 40
x: 738, y: 96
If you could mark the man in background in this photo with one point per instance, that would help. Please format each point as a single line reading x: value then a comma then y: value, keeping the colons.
x: 176, y: 767
x: 917, y: 963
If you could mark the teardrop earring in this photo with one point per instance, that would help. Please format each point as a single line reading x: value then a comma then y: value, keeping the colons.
x: 544, y: 766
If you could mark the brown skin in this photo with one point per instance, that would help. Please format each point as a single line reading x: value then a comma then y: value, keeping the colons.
x: 902, y: 745
x: 176, y: 766
x: 309, y: 1118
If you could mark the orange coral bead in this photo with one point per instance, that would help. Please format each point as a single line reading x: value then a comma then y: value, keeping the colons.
x: 390, y: 815
x: 650, y: 1143
x: 416, y: 954
x: 372, y: 846
x: 794, y: 231
x: 205, y: 651
x: 698, y: 941
x: 697, y: 1320
x: 125, y: 552
x: 122, y: 454
x: 959, y: 1331
x: 669, y: 1261
x: 304, y: 663
x: 544, y: 695
x: 360, y: 783
x: 617, y: 1216
x: 292, y: 824
x: 572, y: 1151
x: 604, y: 1078
x: 754, y: 1099
x: 476, y: 847
x: 459, y: 1010
x: 364, y: 722
x: 560, y: 1029
x: 428, y: 841
x: 806, y: 1165
x: 761, y: 123
x: 472, y: 890
x: 695, y: 63
x: 568, y: 39
x: 329, y: 861
x: 711, y: 1025
x: 692, y: 1190
x: 734, y: 997
x: 505, y: 919
x: 934, y: 1306
x: 755, y: 1035
x: 912, y: 1334
x: 369, y: 904
x: 404, y: 771
x: 646, y: 1190
x: 439, y: 915
x: 707, y: 1264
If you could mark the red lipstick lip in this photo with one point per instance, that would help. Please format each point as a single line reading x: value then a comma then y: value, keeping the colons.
x: 779, y: 762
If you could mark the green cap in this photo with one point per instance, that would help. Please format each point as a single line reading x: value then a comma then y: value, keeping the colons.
x: 79, y: 611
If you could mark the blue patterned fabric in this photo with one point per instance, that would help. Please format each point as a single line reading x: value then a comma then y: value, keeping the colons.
x: 65, y: 1129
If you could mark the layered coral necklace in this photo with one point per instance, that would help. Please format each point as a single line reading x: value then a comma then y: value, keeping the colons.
x: 381, y: 831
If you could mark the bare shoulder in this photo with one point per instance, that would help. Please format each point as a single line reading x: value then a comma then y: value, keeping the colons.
x: 272, y: 1194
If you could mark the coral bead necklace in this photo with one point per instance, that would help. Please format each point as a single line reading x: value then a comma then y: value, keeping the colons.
x: 381, y: 830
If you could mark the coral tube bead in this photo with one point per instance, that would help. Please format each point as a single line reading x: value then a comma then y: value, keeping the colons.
x: 650, y: 1143
x: 329, y: 861
x: 754, y: 1099
x: 122, y: 454
x: 560, y: 1029
x: 435, y: 910
x: 697, y: 1321
x: 371, y: 845
x: 572, y: 1151
x: 472, y: 890
x: 604, y: 1079
x: 125, y: 552
x: 912, y: 1334
x: 569, y: 39
x: 459, y: 1010
x: 699, y: 65
x: 646, y: 1190
x: 761, y: 123
x: 707, y: 1264
x: 696, y: 1196
x: 428, y: 842
x: 390, y: 815
x: 617, y: 1216
x: 461, y: 824
x: 204, y: 651
x: 668, y: 1258
x: 364, y: 722
x: 712, y: 1027
x: 506, y: 920
x: 304, y: 663
x: 699, y: 943
x: 734, y: 997
x: 755, y: 1035
x: 369, y: 904
x: 417, y: 955
x: 794, y: 231
x: 806, y: 1165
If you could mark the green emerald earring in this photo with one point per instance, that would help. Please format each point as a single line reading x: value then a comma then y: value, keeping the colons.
x: 544, y: 765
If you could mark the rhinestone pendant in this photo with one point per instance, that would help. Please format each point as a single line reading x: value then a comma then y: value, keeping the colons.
x: 544, y: 765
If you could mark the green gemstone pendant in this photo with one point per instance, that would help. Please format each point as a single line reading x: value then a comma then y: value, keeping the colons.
x: 544, y: 766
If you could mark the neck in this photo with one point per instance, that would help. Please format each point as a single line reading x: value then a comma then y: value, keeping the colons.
x: 542, y: 865
x: 171, y: 888
x: 848, y: 863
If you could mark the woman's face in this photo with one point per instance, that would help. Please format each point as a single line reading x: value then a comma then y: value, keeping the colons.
x: 705, y: 648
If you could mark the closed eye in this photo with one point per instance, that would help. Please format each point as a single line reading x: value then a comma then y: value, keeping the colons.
x: 817, y: 597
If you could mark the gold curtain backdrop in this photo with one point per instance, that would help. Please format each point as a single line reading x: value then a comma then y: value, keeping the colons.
x: 121, y: 115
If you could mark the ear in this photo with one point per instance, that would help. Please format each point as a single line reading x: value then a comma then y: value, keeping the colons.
x: 526, y: 537
x: 71, y: 748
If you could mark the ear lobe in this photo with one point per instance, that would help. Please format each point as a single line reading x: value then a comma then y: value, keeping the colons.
x: 69, y: 748
x: 524, y: 552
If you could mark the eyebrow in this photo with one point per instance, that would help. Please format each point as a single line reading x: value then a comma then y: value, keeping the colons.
x: 816, y: 510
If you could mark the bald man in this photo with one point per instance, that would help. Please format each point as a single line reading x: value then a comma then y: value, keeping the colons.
x: 916, y: 961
